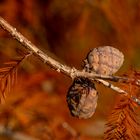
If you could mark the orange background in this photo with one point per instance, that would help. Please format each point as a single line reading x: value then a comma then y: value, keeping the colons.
x: 66, y: 30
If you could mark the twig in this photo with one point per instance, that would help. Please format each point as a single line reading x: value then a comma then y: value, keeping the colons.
x: 107, y: 84
x: 71, y: 72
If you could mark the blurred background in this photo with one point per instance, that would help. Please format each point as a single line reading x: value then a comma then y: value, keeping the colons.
x: 66, y: 30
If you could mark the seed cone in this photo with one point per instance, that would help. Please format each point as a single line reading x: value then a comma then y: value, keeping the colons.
x: 82, y: 98
x: 104, y: 60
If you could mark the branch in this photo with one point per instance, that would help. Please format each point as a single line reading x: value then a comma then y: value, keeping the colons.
x: 71, y: 72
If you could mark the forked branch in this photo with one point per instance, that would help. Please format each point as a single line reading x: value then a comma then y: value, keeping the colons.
x: 71, y: 72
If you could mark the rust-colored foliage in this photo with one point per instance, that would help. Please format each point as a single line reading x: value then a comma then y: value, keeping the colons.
x: 123, y: 123
x: 8, y: 76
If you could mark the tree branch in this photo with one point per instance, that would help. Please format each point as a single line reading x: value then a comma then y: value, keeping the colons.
x: 71, y: 72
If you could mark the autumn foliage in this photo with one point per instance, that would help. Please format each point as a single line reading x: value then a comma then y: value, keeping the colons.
x: 123, y: 122
x: 33, y: 96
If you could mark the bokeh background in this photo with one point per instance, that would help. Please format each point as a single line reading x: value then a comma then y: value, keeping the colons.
x: 66, y: 30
